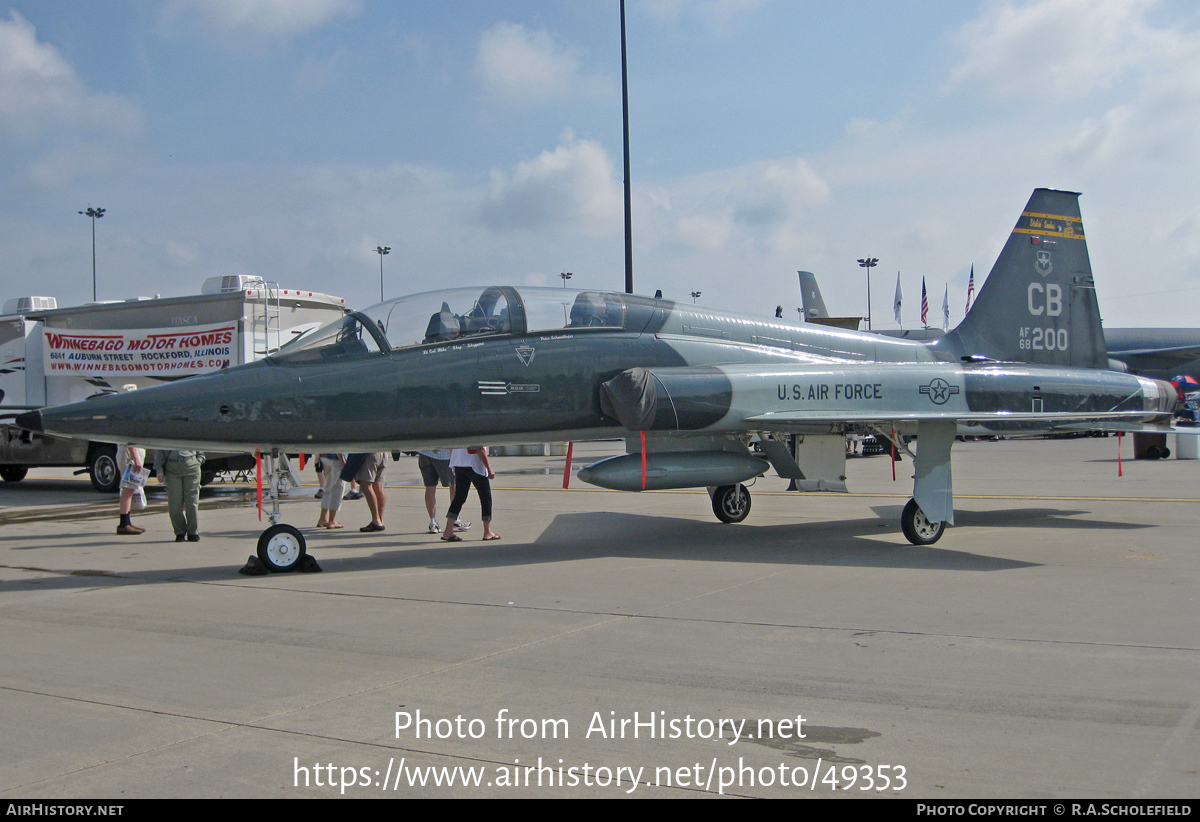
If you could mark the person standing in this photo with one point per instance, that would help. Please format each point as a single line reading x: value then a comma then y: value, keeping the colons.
x: 180, y: 470
x: 370, y: 479
x: 435, y: 467
x: 332, y: 487
x: 128, y: 455
x: 471, y: 467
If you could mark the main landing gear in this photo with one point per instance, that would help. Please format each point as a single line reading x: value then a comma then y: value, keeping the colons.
x: 731, y: 503
x: 917, y: 528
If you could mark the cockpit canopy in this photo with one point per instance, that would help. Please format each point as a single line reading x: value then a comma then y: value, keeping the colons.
x: 458, y: 314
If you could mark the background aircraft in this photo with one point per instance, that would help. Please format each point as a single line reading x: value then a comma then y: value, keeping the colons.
x: 686, y: 385
x: 1161, y: 353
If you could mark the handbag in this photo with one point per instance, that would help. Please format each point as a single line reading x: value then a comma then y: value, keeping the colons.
x: 138, y: 501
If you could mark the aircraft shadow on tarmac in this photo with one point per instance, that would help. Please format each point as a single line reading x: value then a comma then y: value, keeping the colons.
x: 591, y: 535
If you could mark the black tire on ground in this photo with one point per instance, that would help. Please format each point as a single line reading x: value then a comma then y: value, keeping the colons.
x: 731, y: 503
x: 280, y: 547
x: 13, y: 473
x: 102, y: 468
x: 917, y: 529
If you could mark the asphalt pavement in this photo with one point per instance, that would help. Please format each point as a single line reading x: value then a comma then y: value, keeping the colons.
x: 616, y: 644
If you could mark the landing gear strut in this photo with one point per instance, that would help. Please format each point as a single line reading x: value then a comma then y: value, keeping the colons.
x: 731, y: 503
x: 917, y: 528
x: 281, y: 546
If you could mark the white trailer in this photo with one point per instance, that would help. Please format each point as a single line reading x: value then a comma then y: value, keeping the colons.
x: 51, y: 356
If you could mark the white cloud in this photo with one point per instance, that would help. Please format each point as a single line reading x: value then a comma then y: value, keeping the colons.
x: 1058, y: 49
x: 264, y: 18
x: 44, y: 105
x: 516, y: 65
x: 571, y: 186
x: 39, y: 91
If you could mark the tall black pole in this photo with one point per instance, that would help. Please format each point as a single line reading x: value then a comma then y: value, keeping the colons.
x: 93, y: 259
x: 625, y: 128
x: 93, y: 214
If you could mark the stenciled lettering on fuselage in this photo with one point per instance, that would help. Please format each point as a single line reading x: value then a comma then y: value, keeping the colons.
x: 499, y: 388
x: 825, y: 391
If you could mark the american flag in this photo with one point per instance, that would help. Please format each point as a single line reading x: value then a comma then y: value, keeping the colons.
x: 970, y: 288
x: 924, y: 305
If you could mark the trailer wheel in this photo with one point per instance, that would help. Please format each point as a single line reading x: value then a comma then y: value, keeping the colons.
x: 102, y: 468
x: 13, y: 473
x: 280, y: 547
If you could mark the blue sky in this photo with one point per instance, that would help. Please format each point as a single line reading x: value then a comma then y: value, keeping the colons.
x: 482, y: 142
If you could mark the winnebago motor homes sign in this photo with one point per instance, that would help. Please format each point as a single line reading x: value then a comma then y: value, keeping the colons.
x: 194, y: 349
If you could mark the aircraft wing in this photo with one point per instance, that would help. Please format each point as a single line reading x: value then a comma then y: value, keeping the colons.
x: 1074, y: 420
x: 1157, y: 359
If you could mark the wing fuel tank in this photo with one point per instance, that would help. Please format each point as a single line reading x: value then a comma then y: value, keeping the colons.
x: 664, y: 471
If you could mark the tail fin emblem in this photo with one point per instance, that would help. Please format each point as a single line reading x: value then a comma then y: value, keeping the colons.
x: 1043, y: 265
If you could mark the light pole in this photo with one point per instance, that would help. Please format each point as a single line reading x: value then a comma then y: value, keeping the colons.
x: 566, y: 275
x: 695, y: 296
x: 381, y: 250
x: 94, y: 214
x: 868, y: 263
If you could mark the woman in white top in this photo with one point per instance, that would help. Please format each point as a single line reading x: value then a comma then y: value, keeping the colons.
x: 471, y: 467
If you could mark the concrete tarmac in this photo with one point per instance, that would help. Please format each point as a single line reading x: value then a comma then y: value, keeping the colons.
x: 629, y: 644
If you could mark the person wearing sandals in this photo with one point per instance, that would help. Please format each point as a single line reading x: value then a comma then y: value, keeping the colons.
x: 332, y: 487
x: 471, y: 467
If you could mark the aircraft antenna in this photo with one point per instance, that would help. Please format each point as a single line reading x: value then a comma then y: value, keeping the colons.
x: 625, y: 129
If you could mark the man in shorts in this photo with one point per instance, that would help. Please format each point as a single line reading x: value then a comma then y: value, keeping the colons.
x: 370, y: 480
x: 435, y: 468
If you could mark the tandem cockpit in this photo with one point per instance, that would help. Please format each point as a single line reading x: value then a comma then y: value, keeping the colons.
x: 455, y: 315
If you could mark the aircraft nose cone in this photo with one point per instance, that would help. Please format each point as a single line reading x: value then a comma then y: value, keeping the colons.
x: 30, y: 421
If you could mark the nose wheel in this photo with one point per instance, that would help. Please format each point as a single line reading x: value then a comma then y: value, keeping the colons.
x: 280, y: 547
x: 731, y: 503
x: 916, y: 526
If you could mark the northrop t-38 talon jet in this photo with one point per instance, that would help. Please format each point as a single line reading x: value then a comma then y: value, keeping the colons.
x: 687, y: 386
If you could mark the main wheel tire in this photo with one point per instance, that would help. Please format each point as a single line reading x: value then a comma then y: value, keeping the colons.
x: 731, y: 503
x: 917, y: 528
x: 102, y: 468
x: 13, y: 473
x: 280, y: 547
x: 207, y: 477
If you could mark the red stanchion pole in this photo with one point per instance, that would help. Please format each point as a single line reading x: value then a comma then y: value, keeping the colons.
x: 567, y: 468
x: 258, y: 480
x: 643, y: 460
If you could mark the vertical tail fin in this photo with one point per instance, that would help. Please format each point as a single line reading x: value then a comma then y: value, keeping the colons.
x: 810, y: 296
x: 1038, y: 304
